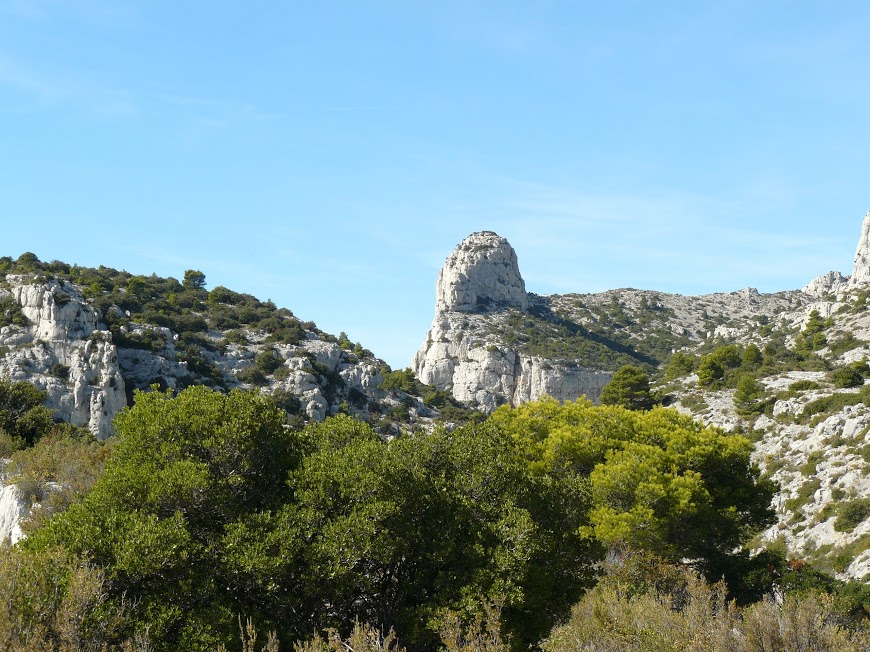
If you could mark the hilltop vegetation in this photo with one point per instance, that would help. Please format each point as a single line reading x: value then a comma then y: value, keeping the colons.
x: 176, y: 334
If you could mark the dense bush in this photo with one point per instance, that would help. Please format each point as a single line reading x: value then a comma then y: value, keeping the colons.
x: 658, y: 480
x: 661, y: 609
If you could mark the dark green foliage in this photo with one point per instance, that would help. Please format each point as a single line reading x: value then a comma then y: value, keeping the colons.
x: 812, y: 337
x: 194, y: 279
x: 802, y: 386
x: 252, y: 376
x: 186, y: 474
x: 629, y: 388
x: 751, y: 358
x: 220, y: 294
x: 845, y: 377
x: 196, y: 504
x: 59, y: 370
x: 681, y: 364
x: 749, y: 396
x: 713, y: 366
x: 851, y: 514
x: 404, y: 380
x: 834, y: 402
x: 10, y: 313
x: 22, y: 414
x: 499, y: 530
x: 268, y: 361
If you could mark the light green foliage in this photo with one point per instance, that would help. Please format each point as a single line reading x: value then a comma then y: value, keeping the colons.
x: 629, y: 388
x: 658, y: 480
x: 362, y: 638
x: 58, y: 470
x: 679, y: 611
x: 56, y: 603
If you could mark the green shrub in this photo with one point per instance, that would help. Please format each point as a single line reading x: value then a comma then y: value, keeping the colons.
x: 851, y: 375
x: 681, y: 364
x: 802, y: 386
x: 851, y: 514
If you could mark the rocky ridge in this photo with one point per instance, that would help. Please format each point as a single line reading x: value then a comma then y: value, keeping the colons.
x: 90, y: 346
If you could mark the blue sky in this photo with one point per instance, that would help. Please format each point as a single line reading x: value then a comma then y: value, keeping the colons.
x: 330, y: 155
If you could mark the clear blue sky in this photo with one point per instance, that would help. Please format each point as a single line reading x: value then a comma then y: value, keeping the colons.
x: 330, y: 155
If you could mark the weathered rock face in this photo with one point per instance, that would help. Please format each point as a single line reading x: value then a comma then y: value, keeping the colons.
x: 12, y: 511
x: 63, y: 353
x: 861, y: 268
x: 481, y: 272
x: 830, y: 283
x: 479, y: 280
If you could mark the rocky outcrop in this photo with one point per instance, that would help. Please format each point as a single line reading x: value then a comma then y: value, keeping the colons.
x: 861, y: 268
x: 830, y: 283
x: 480, y: 281
x: 12, y: 511
x: 482, y: 272
x: 62, y: 352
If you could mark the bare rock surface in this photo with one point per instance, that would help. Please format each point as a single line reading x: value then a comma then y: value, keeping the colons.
x: 481, y: 272
x: 62, y: 352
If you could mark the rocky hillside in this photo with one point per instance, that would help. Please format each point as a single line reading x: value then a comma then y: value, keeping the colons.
x: 89, y: 337
x: 492, y: 343
x: 787, y: 368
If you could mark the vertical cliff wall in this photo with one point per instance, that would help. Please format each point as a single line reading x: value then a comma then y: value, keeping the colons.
x: 479, y: 283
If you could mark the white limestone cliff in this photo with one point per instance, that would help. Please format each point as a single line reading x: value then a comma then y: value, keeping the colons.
x: 482, y: 276
x: 481, y: 272
x: 62, y: 352
x: 861, y: 268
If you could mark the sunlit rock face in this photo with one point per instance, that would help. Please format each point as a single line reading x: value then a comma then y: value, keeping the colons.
x: 62, y: 352
x: 861, y: 268
x: 479, y: 283
x: 481, y: 272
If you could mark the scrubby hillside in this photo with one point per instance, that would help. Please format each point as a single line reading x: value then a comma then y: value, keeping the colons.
x: 90, y: 337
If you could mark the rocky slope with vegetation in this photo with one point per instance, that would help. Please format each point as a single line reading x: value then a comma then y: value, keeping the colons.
x: 311, y: 504
x: 90, y: 337
x: 786, y: 368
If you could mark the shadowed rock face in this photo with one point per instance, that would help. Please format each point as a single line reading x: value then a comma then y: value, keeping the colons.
x: 481, y: 272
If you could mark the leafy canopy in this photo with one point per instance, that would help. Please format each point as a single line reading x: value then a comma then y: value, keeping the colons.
x: 658, y: 480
